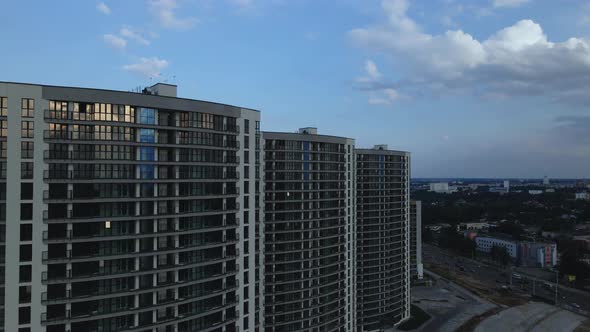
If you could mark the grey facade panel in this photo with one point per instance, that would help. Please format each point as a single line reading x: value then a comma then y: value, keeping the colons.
x: 139, y: 215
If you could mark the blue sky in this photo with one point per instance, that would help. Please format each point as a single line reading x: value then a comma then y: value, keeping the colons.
x: 494, y: 88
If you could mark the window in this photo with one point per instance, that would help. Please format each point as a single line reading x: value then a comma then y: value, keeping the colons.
x: 3, y: 149
x: 25, y: 273
x: 26, y: 232
x: 246, y: 126
x: 26, y: 150
x: 246, y: 142
x: 24, y: 294
x: 146, y: 153
x: 27, y: 129
x: 246, y: 187
x: 246, y: 157
x: 3, y: 106
x: 26, y: 252
x: 27, y: 108
x: 147, y: 135
x: 26, y: 211
x: 3, y: 128
x: 26, y: 170
x: 24, y: 315
x: 147, y: 116
x: 246, y: 172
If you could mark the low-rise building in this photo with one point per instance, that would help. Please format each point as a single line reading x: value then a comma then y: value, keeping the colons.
x: 473, y: 226
x: 537, y: 254
x: 535, y: 192
x: 442, y: 188
x: 500, y: 190
x: 582, y: 196
x: 585, y: 239
x: 524, y: 253
x: 437, y: 227
x: 486, y: 243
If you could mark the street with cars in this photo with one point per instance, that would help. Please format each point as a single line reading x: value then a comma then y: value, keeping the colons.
x: 511, y: 279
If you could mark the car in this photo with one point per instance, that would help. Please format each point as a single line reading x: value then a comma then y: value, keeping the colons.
x: 575, y: 305
x: 516, y: 276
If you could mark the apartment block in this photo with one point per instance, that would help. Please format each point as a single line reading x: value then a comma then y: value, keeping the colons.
x: 128, y: 211
x: 416, y: 267
x: 383, y: 237
x: 142, y: 211
x: 309, y: 232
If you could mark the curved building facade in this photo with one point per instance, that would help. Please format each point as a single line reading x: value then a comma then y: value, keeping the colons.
x: 130, y: 211
x: 383, y: 237
x: 309, y: 225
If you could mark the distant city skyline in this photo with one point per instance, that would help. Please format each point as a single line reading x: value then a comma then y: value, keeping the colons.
x: 473, y: 89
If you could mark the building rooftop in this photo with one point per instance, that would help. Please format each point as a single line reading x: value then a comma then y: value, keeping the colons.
x: 158, y: 90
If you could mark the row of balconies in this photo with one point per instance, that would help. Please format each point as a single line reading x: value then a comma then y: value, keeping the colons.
x: 68, y: 116
x: 89, y: 156
x: 69, y: 215
x: 70, y: 195
x: 69, y: 255
x: 133, y: 176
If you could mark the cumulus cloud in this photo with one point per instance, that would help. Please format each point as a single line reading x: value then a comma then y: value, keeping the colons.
x: 164, y: 10
x: 129, y: 33
x: 509, y: 3
x: 380, y: 93
x: 147, y: 67
x: 383, y: 97
x: 115, y: 41
x: 518, y: 60
x: 103, y: 8
x: 372, y: 72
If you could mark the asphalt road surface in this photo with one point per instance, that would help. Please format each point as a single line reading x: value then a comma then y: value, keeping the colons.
x: 571, y: 299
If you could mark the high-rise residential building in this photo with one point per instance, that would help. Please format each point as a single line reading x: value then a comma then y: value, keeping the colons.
x: 309, y: 232
x: 383, y: 237
x: 416, y: 267
x: 128, y: 211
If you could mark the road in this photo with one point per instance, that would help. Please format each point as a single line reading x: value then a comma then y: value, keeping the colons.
x: 567, y: 298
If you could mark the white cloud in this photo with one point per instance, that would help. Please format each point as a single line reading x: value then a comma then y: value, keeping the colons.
x: 518, y: 60
x: 372, y: 71
x: 378, y: 91
x: 115, y: 41
x: 509, y: 3
x: 147, y: 67
x: 384, y: 97
x: 103, y: 8
x: 129, y: 33
x: 164, y: 11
